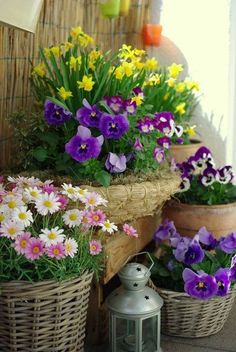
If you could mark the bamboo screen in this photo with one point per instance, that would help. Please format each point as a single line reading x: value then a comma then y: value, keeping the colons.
x: 17, y: 48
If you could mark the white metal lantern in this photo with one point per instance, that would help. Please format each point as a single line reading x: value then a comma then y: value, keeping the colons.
x: 134, y: 312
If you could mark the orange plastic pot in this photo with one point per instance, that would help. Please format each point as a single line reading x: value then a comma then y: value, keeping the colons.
x: 152, y: 34
x: 188, y: 219
x: 181, y: 152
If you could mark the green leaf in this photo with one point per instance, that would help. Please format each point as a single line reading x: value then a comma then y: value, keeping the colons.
x: 49, y: 137
x: 103, y: 177
x: 57, y: 102
x: 40, y: 154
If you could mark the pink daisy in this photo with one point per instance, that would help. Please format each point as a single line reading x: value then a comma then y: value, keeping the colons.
x: 96, y: 217
x: 56, y: 251
x: 95, y: 247
x: 130, y: 230
x: 34, y: 248
x: 21, y: 242
x: 63, y: 200
x: 49, y: 188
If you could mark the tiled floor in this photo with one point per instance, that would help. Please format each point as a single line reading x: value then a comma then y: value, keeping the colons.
x: 224, y: 341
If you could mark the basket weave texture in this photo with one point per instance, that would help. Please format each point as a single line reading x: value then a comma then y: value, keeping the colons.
x: 185, y: 316
x: 135, y: 200
x: 45, y: 316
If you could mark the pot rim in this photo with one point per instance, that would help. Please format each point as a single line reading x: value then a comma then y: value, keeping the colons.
x: 198, y: 206
x: 194, y: 143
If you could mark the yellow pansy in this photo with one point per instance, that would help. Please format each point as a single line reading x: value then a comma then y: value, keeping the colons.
x: 171, y: 82
x: 174, y: 70
x: 40, y: 70
x: 55, y: 50
x: 180, y: 108
x: 119, y: 72
x: 87, y: 83
x: 180, y: 87
x: 128, y: 68
x: 74, y: 62
x: 191, y: 131
x: 138, y: 100
x: 151, y: 64
x: 64, y: 94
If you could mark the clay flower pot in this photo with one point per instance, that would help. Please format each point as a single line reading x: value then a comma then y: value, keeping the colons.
x: 181, y: 152
x: 152, y: 34
x: 188, y: 218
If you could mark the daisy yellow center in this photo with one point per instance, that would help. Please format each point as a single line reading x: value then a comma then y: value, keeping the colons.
x: 85, y: 220
x: 73, y: 217
x: 23, y: 243
x: 82, y: 191
x: 52, y: 235
x: 95, y: 217
x: 93, y: 247
x: 33, y: 193
x: 22, y: 216
x: 107, y: 225
x: 2, y: 217
x: 91, y: 201
x: 68, y: 247
x: 48, y: 203
x: 12, y: 204
x: 36, y: 250
x: 12, y: 231
x: 70, y: 190
x: 56, y: 251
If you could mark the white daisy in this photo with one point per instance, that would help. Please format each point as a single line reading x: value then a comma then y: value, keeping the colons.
x: 13, y: 201
x: 32, y: 193
x: 11, y: 229
x: 93, y: 199
x: 47, y: 203
x: 4, y: 214
x: 109, y: 227
x: 52, y: 236
x: 73, y: 217
x: 23, y: 215
x: 70, y: 191
x: 71, y: 247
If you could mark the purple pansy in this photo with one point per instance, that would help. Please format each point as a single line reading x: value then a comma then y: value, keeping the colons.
x: 228, y: 244
x: 206, y: 239
x: 170, y: 265
x: 181, y: 248
x: 164, y: 142
x: 55, y: 114
x: 145, y: 125
x: 83, y: 146
x: 113, y: 126
x: 204, y: 154
x: 174, y: 240
x: 185, y: 183
x: 115, y: 103
x: 159, y: 155
x: 115, y: 163
x: 225, y: 174
x: 201, y: 285
x: 130, y: 106
x: 138, y: 91
x: 165, y: 231
x: 194, y: 254
x: 138, y: 145
x: 222, y: 277
x: 179, y: 141
x: 179, y: 131
x: 88, y: 116
x: 164, y: 122
x: 208, y: 176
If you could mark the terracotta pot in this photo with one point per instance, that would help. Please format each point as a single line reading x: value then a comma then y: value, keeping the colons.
x: 181, y: 152
x: 188, y: 219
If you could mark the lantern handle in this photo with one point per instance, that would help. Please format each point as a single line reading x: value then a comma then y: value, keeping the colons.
x: 135, y: 255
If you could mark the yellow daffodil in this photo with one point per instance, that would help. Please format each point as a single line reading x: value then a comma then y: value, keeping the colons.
x: 67, y: 46
x: 180, y: 108
x: 84, y: 40
x: 119, y: 72
x: 75, y: 32
x: 180, y: 87
x: 191, y: 131
x: 74, y: 62
x: 94, y: 55
x: 153, y: 80
x: 138, y: 100
x: 166, y: 96
x: 174, y: 70
x: 47, y: 52
x: 171, y: 82
x: 191, y: 85
x: 64, y: 94
x: 151, y: 64
x: 55, y: 50
x: 139, y: 52
x: 39, y: 70
x: 87, y: 83
x: 138, y: 64
x: 128, y: 68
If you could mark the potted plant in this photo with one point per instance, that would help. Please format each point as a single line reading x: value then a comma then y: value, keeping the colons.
x: 95, y: 126
x: 196, y: 278
x: 206, y: 196
x: 51, y: 245
x: 165, y: 91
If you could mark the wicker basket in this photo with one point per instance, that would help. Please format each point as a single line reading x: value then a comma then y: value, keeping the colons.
x: 135, y: 200
x: 45, y: 316
x: 185, y: 316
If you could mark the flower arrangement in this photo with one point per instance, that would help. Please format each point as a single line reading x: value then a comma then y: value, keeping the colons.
x: 165, y: 91
x: 203, y: 183
x: 200, y: 266
x: 97, y: 121
x: 50, y: 232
